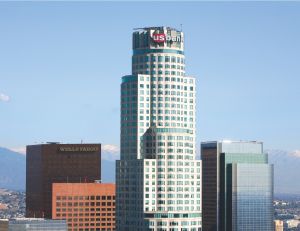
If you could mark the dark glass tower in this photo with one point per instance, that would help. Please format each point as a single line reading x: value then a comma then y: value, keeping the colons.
x: 57, y: 163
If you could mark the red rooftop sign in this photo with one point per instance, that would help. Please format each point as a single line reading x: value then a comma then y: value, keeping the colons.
x: 161, y: 38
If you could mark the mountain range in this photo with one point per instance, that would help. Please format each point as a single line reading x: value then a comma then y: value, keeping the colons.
x: 12, y: 170
x: 286, y: 170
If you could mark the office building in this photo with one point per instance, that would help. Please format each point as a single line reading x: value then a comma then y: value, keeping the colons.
x: 237, y: 187
x: 278, y: 224
x: 292, y: 224
x: 57, y: 163
x: 32, y: 224
x: 158, y: 179
x: 85, y: 206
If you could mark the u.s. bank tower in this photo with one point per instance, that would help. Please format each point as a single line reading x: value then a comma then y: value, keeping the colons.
x: 158, y: 177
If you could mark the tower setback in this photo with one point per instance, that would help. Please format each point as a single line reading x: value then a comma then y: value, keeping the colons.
x: 158, y: 178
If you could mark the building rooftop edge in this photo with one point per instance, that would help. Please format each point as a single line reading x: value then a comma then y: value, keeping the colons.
x: 83, y: 183
x: 154, y: 27
x: 29, y: 219
x: 232, y: 141
x: 60, y: 143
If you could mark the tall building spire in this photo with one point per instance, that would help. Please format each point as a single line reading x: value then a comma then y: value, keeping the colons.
x: 158, y: 178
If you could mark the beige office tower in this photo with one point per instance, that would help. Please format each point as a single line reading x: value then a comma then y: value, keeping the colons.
x: 278, y: 224
x: 158, y: 177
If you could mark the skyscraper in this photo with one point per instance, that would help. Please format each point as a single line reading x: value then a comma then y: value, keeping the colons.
x: 237, y: 187
x: 158, y: 180
x: 57, y: 163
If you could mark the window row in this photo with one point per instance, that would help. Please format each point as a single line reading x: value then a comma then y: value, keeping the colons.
x: 84, y: 198
x: 159, y: 58
x: 159, y: 66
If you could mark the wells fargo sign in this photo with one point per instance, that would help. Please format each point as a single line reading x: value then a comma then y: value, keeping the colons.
x: 78, y: 149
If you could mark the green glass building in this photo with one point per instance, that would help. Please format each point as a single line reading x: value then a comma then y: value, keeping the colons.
x: 237, y: 187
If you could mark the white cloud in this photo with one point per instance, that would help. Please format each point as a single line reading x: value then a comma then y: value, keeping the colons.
x: 4, y: 98
x: 110, y: 148
x: 110, y: 152
x: 283, y: 153
x: 295, y: 153
x: 21, y: 150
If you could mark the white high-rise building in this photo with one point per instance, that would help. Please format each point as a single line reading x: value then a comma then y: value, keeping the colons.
x: 158, y: 177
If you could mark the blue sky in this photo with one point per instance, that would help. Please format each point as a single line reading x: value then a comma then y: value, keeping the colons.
x: 61, y: 66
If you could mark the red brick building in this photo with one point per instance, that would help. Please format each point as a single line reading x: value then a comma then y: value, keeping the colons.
x: 85, y: 206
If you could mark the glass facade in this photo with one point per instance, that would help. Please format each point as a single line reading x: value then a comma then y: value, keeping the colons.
x: 252, y: 197
x: 226, y: 161
x: 237, y: 187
